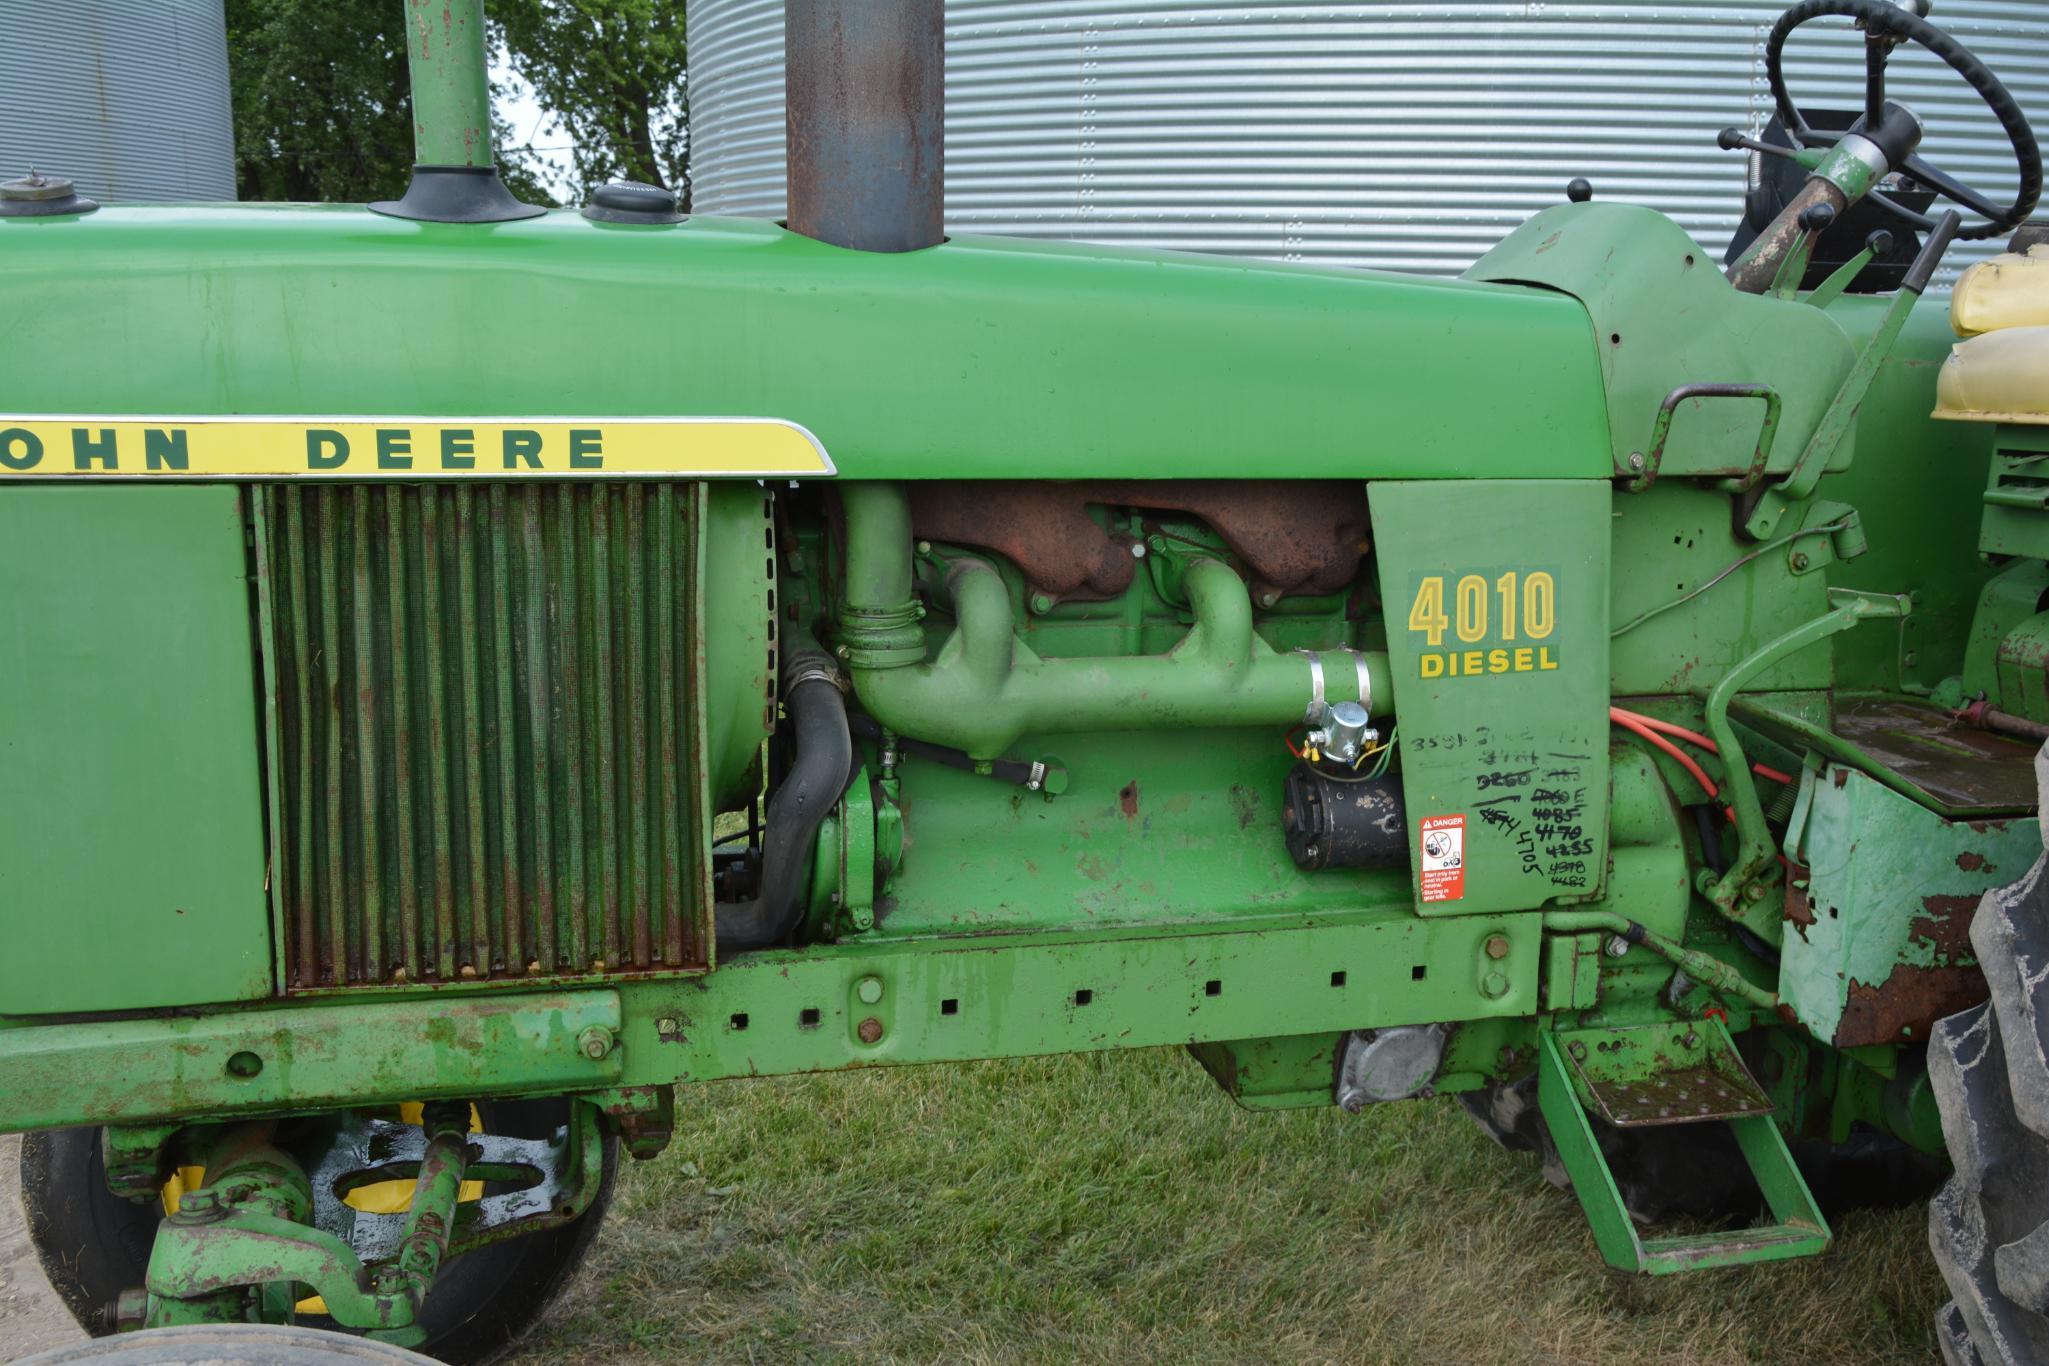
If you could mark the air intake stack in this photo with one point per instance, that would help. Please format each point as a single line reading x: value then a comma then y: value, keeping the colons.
x: 455, y: 173
x: 866, y: 95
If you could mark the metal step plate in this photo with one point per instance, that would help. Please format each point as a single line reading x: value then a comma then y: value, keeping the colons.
x: 1668, y: 1073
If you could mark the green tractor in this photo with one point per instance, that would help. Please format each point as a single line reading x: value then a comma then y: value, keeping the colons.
x: 472, y: 674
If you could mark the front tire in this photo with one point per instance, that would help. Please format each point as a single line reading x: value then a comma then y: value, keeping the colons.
x: 93, y: 1244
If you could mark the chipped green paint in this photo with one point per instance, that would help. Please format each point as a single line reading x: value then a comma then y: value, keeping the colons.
x: 303, y: 1058
x: 794, y: 1011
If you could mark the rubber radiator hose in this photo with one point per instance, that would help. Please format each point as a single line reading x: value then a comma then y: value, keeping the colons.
x: 825, y: 756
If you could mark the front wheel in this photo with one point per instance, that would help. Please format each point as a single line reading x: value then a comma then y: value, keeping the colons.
x: 93, y: 1244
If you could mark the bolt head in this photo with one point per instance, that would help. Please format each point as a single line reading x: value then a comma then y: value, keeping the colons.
x: 131, y: 1309
x: 595, y: 1042
x: 870, y: 990
x: 1636, y: 460
x: 1800, y: 561
x: 1617, y: 946
x: 1352, y: 1102
x: 870, y: 1030
x: 1497, y: 946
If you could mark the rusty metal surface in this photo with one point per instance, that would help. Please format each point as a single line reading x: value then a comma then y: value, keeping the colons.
x: 1293, y: 536
x: 1915, y: 995
x: 866, y: 100
x: 1959, y: 765
x: 485, y: 731
x: 1689, y: 1095
x: 1044, y: 529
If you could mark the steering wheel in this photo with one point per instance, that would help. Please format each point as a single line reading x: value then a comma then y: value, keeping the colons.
x: 1886, y: 26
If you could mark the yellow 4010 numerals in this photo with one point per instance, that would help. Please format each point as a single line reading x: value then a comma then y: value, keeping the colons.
x: 1475, y: 611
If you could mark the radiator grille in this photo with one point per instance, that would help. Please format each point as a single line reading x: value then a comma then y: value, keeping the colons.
x: 486, y: 730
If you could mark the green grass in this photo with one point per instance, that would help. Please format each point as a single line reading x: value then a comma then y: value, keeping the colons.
x: 1119, y: 1208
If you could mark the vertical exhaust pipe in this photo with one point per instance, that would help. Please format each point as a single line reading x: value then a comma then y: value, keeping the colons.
x: 455, y: 172
x: 866, y: 100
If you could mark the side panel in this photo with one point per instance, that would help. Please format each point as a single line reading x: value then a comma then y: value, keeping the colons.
x: 1879, y: 948
x: 131, y: 856
x: 1496, y: 595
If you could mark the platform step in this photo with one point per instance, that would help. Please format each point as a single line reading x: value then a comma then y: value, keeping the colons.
x: 1678, y: 1073
x: 1730, y: 1247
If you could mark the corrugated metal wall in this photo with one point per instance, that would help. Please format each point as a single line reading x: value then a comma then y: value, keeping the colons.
x: 1406, y: 137
x: 126, y: 98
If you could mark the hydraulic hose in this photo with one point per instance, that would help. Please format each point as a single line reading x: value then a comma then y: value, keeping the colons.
x: 825, y: 756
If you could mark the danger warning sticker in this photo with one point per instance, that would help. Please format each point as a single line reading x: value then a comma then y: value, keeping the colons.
x: 1444, y: 858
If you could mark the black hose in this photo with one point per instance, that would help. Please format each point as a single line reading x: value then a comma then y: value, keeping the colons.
x: 800, y: 804
x: 1710, y: 838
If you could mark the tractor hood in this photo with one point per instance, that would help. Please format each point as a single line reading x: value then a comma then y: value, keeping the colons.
x: 978, y: 358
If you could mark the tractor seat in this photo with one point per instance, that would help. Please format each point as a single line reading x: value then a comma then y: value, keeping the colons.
x: 2000, y: 372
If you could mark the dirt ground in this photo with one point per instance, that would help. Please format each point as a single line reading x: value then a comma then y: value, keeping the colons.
x: 31, y: 1319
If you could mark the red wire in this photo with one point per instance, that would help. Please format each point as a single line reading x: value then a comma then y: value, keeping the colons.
x: 1629, y: 721
x: 1641, y: 726
x: 1697, y: 738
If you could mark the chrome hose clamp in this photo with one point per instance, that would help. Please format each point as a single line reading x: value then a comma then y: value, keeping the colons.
x: 1315, y: 710
x: 1318, y: 702
x: 810, y: 669
x: 1365, y: 679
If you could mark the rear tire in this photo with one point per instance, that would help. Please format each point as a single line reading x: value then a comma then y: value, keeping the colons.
x: 1989, y: 1067
x: 93, y: 1244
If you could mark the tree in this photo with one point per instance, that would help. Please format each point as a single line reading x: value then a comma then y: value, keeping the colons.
x: 321, y: 105
x: 319, y: 100
x: 612, y: 72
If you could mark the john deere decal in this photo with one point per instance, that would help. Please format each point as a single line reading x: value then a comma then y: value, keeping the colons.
x: 406, y: 448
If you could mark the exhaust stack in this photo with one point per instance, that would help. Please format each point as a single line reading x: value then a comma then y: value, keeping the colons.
x: 866, y: 100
